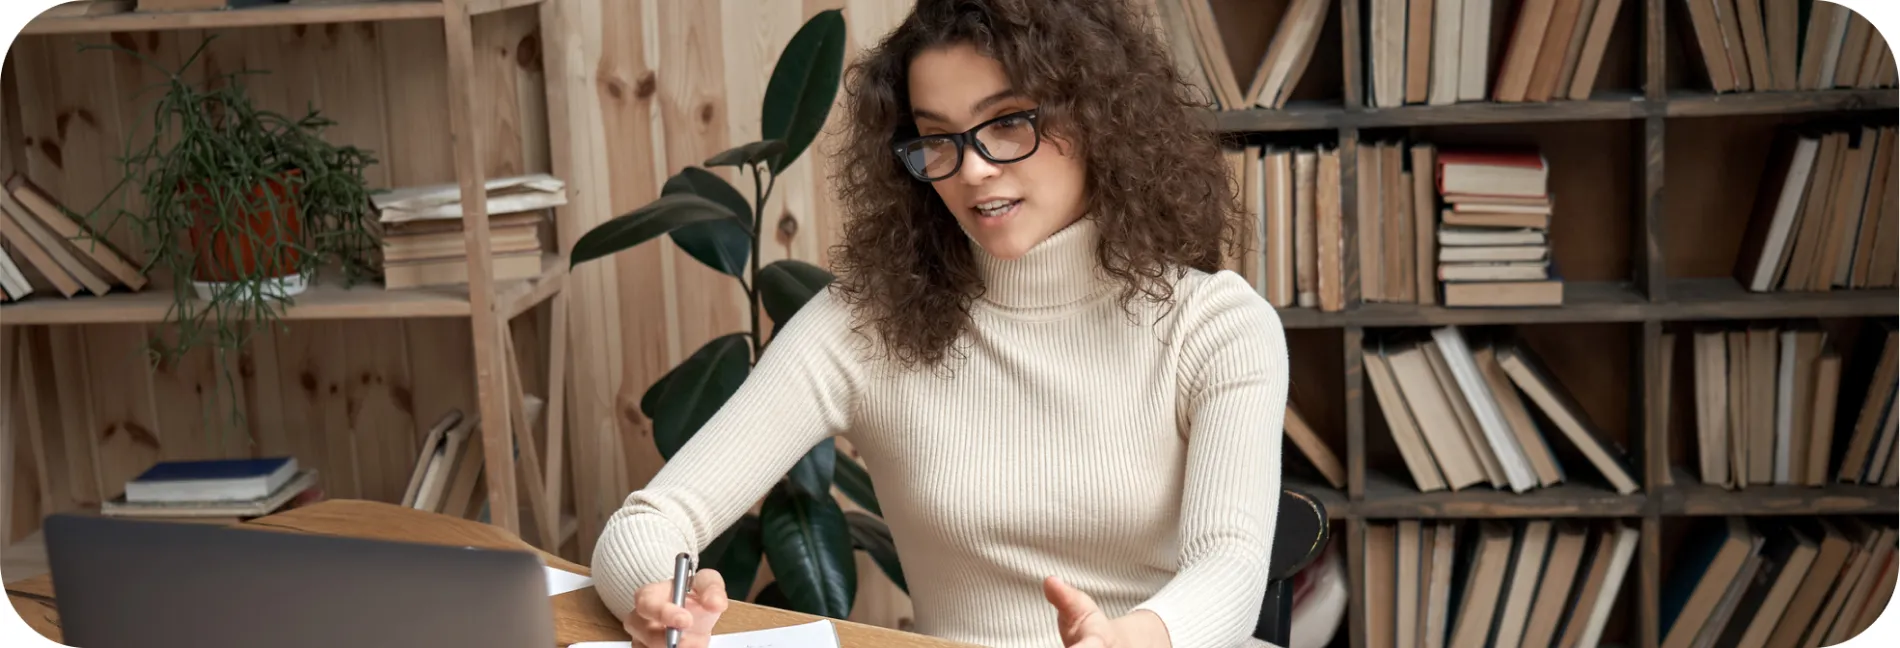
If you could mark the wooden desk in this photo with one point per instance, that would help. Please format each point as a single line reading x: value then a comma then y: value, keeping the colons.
x: 578, y: 615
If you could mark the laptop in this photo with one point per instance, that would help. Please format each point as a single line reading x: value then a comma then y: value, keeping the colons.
x: 123, y: 582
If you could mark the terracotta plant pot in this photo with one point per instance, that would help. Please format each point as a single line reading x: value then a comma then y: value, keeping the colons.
x: 226, y: 254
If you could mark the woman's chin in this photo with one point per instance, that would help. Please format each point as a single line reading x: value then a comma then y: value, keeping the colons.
x: 1003, y: 246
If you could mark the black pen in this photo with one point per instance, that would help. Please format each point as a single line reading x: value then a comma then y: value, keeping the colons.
x: 682, y: 574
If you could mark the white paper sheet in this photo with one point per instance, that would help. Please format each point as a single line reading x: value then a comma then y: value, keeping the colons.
x: 817, y: 634
x: 561, y: 581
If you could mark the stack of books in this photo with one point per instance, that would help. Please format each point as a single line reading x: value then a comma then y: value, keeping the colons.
x: 1764, y: 46
x: 1438, y: 52
x: 1814, y: 581
x: 216, y: 491
x: 44, y: 246
x: 423, y: 238
x: 1494, y: 228
x: 1461, y: 414
x: 1827, y: 214
x: 1532, y: 582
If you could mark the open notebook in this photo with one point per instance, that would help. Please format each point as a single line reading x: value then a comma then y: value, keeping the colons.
x: 817, y: 634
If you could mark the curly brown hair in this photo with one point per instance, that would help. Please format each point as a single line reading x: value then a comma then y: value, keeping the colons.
x: 1106, y: 84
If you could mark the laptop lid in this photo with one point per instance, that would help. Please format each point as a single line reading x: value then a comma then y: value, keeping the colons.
x: 127, y: 583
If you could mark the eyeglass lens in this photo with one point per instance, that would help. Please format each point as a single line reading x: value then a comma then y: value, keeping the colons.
x: 1006, y: 140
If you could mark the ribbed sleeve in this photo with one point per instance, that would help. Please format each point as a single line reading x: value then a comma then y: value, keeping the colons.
x: 1235, y: 358
x: 800, y: 392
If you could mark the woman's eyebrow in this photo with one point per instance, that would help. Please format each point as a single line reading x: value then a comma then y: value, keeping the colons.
x: 979, y: 106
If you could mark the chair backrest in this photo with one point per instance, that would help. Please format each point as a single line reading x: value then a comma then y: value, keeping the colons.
x: 1299, y: 536
x: 1298, y: 539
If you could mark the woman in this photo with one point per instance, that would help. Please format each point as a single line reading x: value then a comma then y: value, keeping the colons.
x: 1071, y: 415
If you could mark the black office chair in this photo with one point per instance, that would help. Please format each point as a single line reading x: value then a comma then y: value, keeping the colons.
x: 1298, y: 538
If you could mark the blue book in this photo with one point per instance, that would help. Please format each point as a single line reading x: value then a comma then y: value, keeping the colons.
x: 217, y: 480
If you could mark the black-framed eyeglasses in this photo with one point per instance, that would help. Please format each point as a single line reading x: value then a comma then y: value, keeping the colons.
x: 1002, y: 140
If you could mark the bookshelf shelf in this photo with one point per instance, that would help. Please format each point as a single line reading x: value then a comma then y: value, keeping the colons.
x: 1300, y: 116
x: 265, y: 16
x: 1386, y: 498
x: 1723, y: 298
x: 1600, y: 302
x: 1779, y: 103
x: 329, y: 300
x: 1691, y: 498
x: 1336, y: 504
x: 1584, y: 301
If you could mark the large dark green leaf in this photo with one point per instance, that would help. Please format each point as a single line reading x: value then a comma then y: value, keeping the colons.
x: 736, y: 553
x: 663, y: 215
x: 772, y: 596
x: 809, y: 545
x: 722, y: 244
x: 874, y: 537
x: 695, y: 390
x: 855, y: 483
x: 804, y: 83
x: 812, y: 473
x: 786, y: 285
x: 747, y: 154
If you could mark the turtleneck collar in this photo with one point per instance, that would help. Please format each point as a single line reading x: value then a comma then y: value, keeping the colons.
x: 1061, y: 271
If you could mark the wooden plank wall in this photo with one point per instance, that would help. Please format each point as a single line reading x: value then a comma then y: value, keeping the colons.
x: 647, y: 88
x: 350, y: 398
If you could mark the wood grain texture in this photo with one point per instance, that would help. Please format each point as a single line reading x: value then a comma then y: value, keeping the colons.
x: 1649, y: 582
x: 1387, y: 498
x: 469, y: 144
x: 383, y: 83
x: 578, y: 616
x: 1353, y: 385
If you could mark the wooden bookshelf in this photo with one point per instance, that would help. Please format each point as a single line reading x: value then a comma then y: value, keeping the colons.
x: 1657, y: 256
x: 265, y: 16
x: 486, y: 306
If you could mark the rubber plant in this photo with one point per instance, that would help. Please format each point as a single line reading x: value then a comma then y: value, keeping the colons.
x: 801, y: 532
x: 239, y: 205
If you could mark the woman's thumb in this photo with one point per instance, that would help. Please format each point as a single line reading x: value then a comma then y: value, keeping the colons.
x: 1072, y: 605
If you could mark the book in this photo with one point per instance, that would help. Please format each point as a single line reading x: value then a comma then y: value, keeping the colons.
x: 301, y: 487
x: 215, y: 480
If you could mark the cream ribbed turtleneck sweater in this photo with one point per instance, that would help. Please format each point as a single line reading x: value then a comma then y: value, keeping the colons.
x: 1136, y: 458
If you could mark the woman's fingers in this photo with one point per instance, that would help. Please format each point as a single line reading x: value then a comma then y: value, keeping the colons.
x: 654, y: 611
x: 645, y: 632
x: 710, y: 588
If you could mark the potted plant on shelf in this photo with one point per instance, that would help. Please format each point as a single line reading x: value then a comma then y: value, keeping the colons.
x: 801, y: 531
x: 242, y: 207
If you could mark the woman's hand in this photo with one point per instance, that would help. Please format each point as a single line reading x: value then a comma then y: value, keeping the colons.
x: 1083, y: 625
x: 654, y: 611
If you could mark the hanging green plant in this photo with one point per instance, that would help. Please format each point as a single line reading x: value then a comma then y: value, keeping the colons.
x: 242, y: 207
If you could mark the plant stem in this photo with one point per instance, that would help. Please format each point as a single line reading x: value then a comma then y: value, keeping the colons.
x: 759, y: 193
